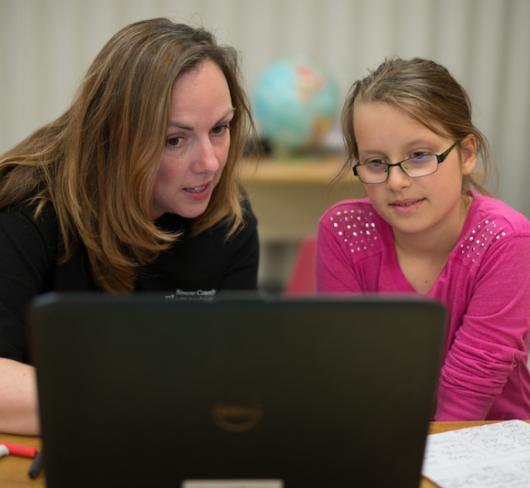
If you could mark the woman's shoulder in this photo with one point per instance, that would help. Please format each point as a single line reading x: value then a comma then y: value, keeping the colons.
x: 25, y: 217
x: 248, y: 214
x: 29, y: 239
x: 248, y: 224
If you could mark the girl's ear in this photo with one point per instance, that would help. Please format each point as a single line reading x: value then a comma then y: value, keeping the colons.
x: 468, y: 154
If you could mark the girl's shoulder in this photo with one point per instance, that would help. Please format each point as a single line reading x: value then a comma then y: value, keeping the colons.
x: 496, y: 218
x: 351, y: 209
x: 490, y: 222
x: 356, y: 226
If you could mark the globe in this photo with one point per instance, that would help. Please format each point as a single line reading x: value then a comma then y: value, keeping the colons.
x: 294, y: 104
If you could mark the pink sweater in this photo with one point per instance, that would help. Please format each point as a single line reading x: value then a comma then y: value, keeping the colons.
x: 485, y: 286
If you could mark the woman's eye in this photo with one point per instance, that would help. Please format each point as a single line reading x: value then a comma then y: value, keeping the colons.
x: 174, y: 141
x: 220, y: 129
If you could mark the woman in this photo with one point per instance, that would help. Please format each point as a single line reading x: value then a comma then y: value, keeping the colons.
x: 134, y: 188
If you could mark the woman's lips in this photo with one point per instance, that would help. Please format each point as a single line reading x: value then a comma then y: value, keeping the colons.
x: 196, y: 189
x: 199, y: 192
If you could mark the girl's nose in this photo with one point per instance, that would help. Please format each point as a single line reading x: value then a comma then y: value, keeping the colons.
x: 397, y: 178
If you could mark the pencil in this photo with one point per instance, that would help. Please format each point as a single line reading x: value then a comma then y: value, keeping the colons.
x: 36, y: 466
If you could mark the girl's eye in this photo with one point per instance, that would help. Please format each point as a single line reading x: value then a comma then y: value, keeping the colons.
x: 376, y: 163
x: 174, y: 141
x: 220, y: 129
x: 420, y: 155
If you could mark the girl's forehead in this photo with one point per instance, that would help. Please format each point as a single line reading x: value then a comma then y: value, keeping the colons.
x: 383, y: 117
x: 391, y: 118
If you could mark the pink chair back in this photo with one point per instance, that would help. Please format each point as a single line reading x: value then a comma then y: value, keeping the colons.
x: 303, y: 277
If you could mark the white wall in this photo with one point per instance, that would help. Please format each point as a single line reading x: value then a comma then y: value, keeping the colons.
x: 46, y: 46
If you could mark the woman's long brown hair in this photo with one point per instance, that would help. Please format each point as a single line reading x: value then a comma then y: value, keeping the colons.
x: 97, y: 162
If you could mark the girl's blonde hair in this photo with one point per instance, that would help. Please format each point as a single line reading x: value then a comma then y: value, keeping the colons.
x: 428, y: 93
x: 97, y: 162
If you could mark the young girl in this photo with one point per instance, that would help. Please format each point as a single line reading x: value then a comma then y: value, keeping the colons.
x: 428, y: 227
x: 134, y: 188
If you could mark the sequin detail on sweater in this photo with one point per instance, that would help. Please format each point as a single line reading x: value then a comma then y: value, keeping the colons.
x: 484, y: 234
x: 356, y: 228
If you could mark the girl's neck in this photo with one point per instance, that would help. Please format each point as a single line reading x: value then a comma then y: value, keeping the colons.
x: 437, y: 242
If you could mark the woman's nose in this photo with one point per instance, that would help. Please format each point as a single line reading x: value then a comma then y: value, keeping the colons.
x: 205, y: 158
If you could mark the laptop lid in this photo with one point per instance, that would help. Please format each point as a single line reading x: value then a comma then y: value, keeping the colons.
x: 321, y: 392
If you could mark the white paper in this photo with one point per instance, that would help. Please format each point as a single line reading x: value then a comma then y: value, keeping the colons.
x: 487, y: 456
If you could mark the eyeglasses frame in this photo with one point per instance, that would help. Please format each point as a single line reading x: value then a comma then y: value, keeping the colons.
x: 440, y: 158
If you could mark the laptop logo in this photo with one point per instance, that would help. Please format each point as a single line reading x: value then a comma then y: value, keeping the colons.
x: 237, y: 417
x: 232, y: 484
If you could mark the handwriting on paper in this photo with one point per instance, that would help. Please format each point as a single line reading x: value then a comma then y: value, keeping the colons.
x: 489, y: 456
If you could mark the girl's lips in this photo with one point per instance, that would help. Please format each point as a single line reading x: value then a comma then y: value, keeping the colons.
x: 405, y: 203
x: 406, y: 206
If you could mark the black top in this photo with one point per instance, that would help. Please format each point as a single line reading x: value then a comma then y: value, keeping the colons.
x: 30, y: 252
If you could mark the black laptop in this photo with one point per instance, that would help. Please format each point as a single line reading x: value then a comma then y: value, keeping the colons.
x: 248, y: 392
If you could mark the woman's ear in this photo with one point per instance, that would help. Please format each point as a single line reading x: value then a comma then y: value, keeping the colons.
x: 468, y: 154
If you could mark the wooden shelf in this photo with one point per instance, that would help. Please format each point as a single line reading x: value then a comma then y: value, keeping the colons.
x: 290, y: 195
x: 292, y: 171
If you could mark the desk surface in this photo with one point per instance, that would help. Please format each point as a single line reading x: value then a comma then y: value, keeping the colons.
x: 14, y: 470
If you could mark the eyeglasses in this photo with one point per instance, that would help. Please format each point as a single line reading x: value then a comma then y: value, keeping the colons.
x: 419, y: 164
